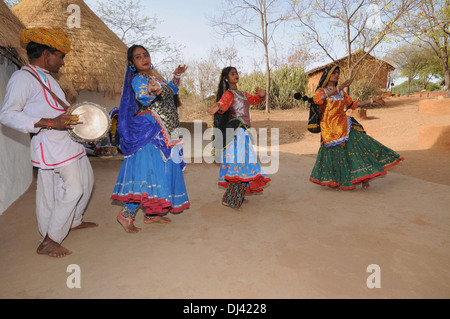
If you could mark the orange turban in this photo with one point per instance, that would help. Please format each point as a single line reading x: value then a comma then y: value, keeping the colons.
x: 54, y: 38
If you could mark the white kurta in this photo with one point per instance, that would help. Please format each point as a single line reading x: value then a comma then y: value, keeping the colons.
x: 25, y: 103
x: 65, y: 178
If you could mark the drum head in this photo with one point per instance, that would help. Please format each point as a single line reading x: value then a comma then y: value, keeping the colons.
x: 96, y: 122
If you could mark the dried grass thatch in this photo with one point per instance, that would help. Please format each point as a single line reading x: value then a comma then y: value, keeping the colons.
x: 97, y: 60
x: 10, y: 46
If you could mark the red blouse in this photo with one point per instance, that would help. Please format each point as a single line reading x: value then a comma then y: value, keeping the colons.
x: 227, y: 99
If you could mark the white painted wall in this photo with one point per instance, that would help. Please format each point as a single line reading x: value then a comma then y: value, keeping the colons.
x: 16, y: 171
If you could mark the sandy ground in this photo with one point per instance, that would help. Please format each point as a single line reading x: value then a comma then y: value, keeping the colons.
x: 296, y: 240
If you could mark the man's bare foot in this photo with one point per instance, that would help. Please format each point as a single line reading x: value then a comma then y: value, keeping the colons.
x: 128, y: 226
x: 157, y: 219
x: 52, y: 248
x: 85, y: 225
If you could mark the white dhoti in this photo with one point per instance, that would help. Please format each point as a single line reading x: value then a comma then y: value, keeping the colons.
x: 62, y: 196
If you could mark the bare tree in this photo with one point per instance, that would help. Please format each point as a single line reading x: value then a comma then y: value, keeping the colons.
x: 354, y: 25
x: 202, y: 77
x: 253, y: 19
x: 126, y: 18
x: 227, y: 56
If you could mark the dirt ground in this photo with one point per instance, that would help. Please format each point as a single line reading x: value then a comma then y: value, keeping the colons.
x: 295, y: 240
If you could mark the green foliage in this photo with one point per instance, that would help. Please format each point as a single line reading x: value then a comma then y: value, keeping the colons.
x: 284, y: 81
x: 362, y: 90
x: 416, y: 86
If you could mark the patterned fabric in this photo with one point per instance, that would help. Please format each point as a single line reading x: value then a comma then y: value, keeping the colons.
x: 228, y: 97
x: 157, y: 184
x: 239, y: 161
x: 54, y: 38
x: 240, y: 164
x: 128, y: 212
x: 334, y: 124
x: 355, y: 161
x: 234, y: 195
x: 163, y: 104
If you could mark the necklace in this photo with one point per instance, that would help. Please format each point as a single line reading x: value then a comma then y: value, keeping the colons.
x: 238, y: 93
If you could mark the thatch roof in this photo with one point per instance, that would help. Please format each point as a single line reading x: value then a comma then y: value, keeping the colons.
x: 342, y: 62
x: 10, y: 45
x: 97, y: 60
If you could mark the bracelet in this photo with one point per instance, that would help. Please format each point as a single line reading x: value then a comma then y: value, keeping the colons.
x: 371, y: 101
x: 48, y: 124
x: 177, y: 75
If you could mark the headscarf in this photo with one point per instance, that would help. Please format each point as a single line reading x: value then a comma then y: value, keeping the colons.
x: 326, y: 76
x: 54, y: 38
x: 136, y: 131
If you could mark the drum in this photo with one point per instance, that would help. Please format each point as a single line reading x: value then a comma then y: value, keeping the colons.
x: 96, y: 122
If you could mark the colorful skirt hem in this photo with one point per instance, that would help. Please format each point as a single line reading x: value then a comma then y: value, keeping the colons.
x: 353, y: 162
x: 240, y: 164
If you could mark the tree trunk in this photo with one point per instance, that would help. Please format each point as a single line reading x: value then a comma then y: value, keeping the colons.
x: 447, y: 82
x: 267, y: 82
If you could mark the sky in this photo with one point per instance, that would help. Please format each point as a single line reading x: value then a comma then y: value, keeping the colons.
x: 186, y: 23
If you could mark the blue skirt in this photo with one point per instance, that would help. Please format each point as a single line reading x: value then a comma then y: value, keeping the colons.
x: 240, y: 164
x: 146, y: 177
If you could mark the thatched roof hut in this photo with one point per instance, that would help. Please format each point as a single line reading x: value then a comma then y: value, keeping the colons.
x: 10, y: 46
x: 377, y: 68
x: 97, y: 60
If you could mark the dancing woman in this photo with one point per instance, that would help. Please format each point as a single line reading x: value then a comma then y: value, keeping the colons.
x: 240, y: 172
x: 347, y: 156
x: 151, y: 174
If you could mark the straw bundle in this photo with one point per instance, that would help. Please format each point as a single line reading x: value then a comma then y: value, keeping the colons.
x: 10, y: 46
x: 98, y: 56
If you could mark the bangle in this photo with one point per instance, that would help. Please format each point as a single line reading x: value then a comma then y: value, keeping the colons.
x: 371, y: 101
x: 48, y: 124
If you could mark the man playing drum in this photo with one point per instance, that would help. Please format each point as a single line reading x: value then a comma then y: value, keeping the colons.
x: 65, y: 178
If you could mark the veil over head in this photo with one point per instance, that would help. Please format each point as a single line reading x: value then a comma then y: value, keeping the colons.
x: 135, y: 131
x: 326, y: 76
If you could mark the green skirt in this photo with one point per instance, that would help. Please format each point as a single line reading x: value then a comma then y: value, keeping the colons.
x: 353, y: 162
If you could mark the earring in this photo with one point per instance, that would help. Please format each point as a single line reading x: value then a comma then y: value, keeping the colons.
x: 132, y: 68
x: 152, y: 66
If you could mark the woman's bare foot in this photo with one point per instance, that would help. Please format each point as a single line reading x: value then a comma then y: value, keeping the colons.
x: 52, y: 248
x: 157, y: 219
x: 128, y: 226
x: 365, y: 185
x: 85, y: 225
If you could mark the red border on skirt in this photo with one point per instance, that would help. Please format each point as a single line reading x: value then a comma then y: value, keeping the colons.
x: 154, y: 205
x: 255, y: 183
x: 359, y: 180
